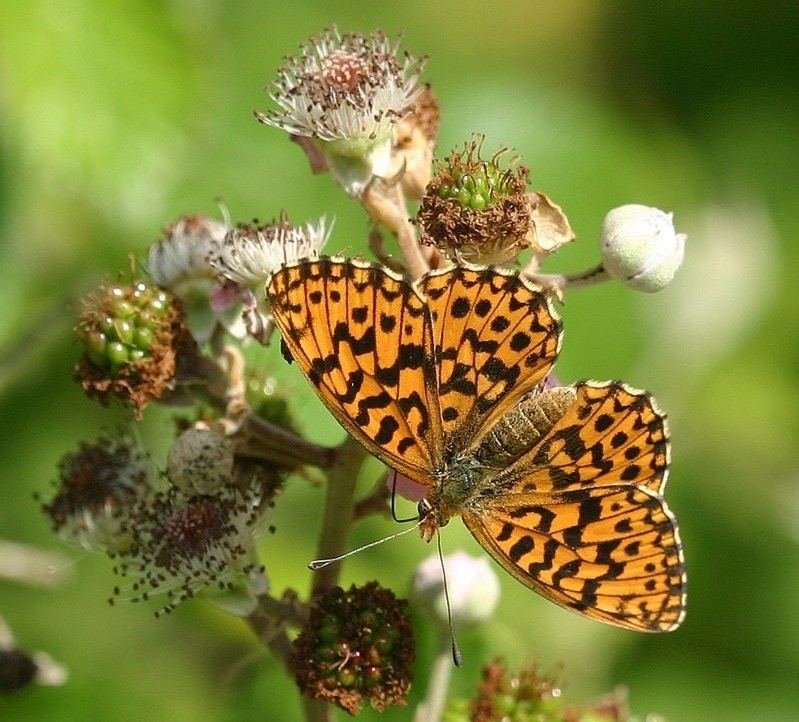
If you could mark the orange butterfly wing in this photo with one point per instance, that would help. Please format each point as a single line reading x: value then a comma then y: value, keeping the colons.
x: 610, y: 434
x: 580, y: 517
x: 496, y: 338
x: 610, y: 553
x: 363, y: 338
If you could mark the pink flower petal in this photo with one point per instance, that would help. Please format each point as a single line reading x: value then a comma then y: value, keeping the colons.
x: 406, y: 487
x: 224, y: 296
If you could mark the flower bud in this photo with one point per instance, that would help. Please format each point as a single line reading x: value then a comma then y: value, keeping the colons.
x: 200, y: 462
x: 472, y: 584
x: 356, y: 647
x: 640, y: 247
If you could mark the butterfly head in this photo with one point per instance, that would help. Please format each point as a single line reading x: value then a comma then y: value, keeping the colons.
x: 430, y: 518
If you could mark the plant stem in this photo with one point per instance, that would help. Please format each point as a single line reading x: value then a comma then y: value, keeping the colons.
x: 557, y: 283
x: 432, y: 708
x: 338, y: 513
x: 387, y: 206
x: 306, y: 452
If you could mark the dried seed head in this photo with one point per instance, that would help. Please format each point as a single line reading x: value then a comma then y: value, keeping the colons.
x: 357, y: 646
x: 250, y: 254
x: 200, y: 462
x: 474, y: 209
x: 97, y: 488
x: 17, y: 670
x: 133, y: 338
x: 184, y: 544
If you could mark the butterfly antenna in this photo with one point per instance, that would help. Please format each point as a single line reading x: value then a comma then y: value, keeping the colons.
x: 457, y: 658
x: 317, y: 564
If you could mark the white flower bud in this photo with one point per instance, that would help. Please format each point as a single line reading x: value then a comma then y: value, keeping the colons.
x: 200, y: 462
x: 473, y: 589
x: 640, y: 247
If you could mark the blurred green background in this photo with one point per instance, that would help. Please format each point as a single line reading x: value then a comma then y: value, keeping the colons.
x: 117, y: 116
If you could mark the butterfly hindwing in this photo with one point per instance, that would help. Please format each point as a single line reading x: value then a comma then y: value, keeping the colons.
x: 609, y: 434
x: 610, y: 553
x: 496, y: 338
x: 363, y: 338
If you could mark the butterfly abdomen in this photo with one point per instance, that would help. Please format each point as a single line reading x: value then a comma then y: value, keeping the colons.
x: 520, y: 428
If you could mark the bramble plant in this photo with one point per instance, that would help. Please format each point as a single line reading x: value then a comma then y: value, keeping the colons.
x: 173, y: 331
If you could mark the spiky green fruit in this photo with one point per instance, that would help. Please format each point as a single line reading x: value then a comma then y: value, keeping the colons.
x: 120, y: 324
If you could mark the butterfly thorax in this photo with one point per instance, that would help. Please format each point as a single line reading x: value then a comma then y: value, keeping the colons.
x: 456, y: 484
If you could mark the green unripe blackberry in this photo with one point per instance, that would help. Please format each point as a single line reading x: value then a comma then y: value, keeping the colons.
x: 473, y: 182
x: 356, y: 647
x: 120, y: 324
x: 477, y: 210
x: 134, y: 339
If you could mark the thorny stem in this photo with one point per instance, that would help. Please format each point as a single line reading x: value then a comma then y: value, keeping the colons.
x: 431, y: 709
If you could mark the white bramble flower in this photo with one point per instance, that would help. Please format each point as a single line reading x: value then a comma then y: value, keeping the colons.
x: 186, y: 544
x: 250, y: 254
x: 472, y: 585
x: 640, y: 247
x: 179, y: 262
x: 181, y: 256
x: 98, y: 486
x: 346, y: 92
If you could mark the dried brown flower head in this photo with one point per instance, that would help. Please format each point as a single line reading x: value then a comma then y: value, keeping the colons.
x: 475, y: 210
x: 357, y: 647
x: 184, y: 545
x: 135, y: 340
x: 98, y: 486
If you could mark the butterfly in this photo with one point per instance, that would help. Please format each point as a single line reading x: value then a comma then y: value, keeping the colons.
x: 442, y: 380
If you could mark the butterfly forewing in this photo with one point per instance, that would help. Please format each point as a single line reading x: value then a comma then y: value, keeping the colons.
x: 609, y: 553
x: 496, y: 338
x: 363, y: 339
